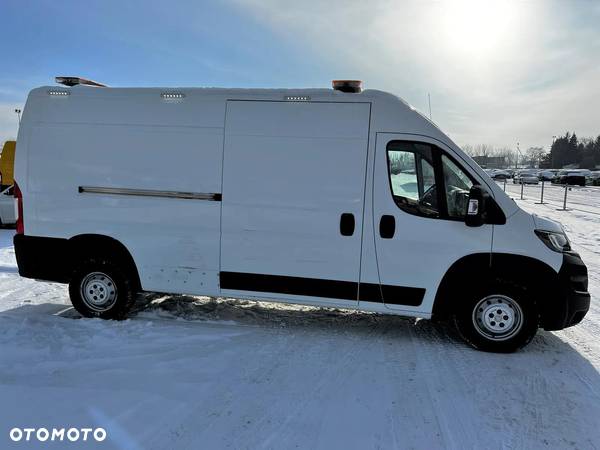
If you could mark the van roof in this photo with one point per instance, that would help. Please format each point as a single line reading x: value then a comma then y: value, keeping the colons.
x: 314, y: 94
x: 385, y: 101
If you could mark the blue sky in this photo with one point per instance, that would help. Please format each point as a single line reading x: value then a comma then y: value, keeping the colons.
x: 500, y: 73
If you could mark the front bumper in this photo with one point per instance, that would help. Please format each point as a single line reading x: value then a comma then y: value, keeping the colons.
x: 573, y: 300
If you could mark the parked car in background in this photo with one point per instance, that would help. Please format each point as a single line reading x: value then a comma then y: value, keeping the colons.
x: 7, y: 207
x: 572, y: 177
x: 499, y: 174
x: 520, y: 172
x: 594, y: 178
x: 526, y: 178
x: 547, y: 175
x: 559, y: 174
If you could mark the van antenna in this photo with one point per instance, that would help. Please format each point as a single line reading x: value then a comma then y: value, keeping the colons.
x: 429, y: 101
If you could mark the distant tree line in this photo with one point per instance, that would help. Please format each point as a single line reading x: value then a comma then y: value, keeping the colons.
x: 569, y: 150
x: 566, y: 150
x: 498, y: 157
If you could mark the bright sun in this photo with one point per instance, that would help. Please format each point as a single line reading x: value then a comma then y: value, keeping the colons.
x: 476, y: 27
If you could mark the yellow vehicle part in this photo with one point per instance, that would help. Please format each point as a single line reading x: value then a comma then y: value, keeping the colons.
x: 7, y: 163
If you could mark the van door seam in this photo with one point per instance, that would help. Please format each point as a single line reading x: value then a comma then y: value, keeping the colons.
x: 362, y: 226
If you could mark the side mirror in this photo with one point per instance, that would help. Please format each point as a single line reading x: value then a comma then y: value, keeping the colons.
x: 476, y: 207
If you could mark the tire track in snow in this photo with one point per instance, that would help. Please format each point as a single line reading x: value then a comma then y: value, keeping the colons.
x: 437, y: 355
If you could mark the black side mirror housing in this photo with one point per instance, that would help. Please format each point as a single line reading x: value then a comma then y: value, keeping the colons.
x: 476, y: 207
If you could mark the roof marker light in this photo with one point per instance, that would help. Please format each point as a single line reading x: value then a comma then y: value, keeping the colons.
x: 74, y: 81
x: 172, y: 95
x: 297, y: 98
x: 59, y: 93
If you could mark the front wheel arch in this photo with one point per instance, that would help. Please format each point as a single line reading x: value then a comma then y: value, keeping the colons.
x: 488, y: 268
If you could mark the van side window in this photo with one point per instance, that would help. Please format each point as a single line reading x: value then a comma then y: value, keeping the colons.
x: 412, y: 177
x: 427, y: 182
x: 456, y: 186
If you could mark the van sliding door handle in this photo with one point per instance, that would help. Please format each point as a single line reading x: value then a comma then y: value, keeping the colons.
x: 347, y: 224
x: 387, y: 227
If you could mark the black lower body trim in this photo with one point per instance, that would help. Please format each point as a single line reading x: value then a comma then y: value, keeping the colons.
x: 402, y: 295
x: 572, y: 299
x: 316, y: 287
x: 42, y: 258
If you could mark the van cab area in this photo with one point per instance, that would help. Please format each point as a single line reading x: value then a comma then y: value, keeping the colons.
x: 342, y: 197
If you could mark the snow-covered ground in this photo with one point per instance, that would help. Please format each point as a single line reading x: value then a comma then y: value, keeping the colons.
x: 200, y: 373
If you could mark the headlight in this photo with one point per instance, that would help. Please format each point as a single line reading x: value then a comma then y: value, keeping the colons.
x: 555, y: 241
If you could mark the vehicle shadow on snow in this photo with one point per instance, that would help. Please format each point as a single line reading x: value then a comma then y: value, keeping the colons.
x: 8, y: 269
x: 6, y: 237
x: 309, y: 319
x: 263, y: 314
x: 278, y: 315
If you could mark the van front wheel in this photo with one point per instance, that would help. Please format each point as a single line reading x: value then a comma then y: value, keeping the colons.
x: 498, y: 319
x: 100, y: 288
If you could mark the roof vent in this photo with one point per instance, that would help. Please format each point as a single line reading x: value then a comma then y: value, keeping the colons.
x: 351, y: 86
x: 73, y: 81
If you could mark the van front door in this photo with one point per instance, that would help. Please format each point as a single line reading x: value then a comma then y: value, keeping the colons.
x: 292, y: 206
x: 419, y: 203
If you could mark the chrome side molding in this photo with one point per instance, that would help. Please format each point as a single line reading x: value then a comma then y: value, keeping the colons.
x: 150, y: 193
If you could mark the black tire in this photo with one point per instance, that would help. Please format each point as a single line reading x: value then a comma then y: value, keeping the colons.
x: 491, y: 300
x: 113, y: 281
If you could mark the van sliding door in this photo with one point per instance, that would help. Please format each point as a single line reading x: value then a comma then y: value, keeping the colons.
x: 293, y: 194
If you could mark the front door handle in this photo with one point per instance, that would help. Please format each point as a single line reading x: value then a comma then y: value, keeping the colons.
x: 387, y: 227
x: 347, y: 224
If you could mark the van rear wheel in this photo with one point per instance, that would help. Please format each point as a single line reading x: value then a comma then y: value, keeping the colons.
x: 101, y: 288
x: 498, y: 319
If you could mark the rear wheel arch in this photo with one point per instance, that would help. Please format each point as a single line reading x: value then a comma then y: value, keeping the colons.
x: 84, y: 246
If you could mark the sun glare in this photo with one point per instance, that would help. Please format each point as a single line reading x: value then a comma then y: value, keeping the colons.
x: 477, y: 27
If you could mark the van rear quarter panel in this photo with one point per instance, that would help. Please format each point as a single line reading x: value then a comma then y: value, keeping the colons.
x: 143, y: 144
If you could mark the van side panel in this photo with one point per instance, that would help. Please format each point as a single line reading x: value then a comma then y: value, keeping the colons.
x: 174, y: 241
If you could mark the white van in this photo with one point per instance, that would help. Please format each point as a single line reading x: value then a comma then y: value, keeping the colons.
x: 331, y: 197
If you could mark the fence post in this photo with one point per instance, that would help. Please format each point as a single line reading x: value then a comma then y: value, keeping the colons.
x: 565, y: 200
x: 542, y: 198
x: 505, y: 185
x: 522, y: 185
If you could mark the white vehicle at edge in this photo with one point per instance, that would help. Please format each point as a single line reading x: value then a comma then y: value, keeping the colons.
x: 331, y: 197
x: 7, y: 206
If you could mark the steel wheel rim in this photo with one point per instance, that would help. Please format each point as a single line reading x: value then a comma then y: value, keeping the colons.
x: 497, y: 317
x: 98, y: 291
